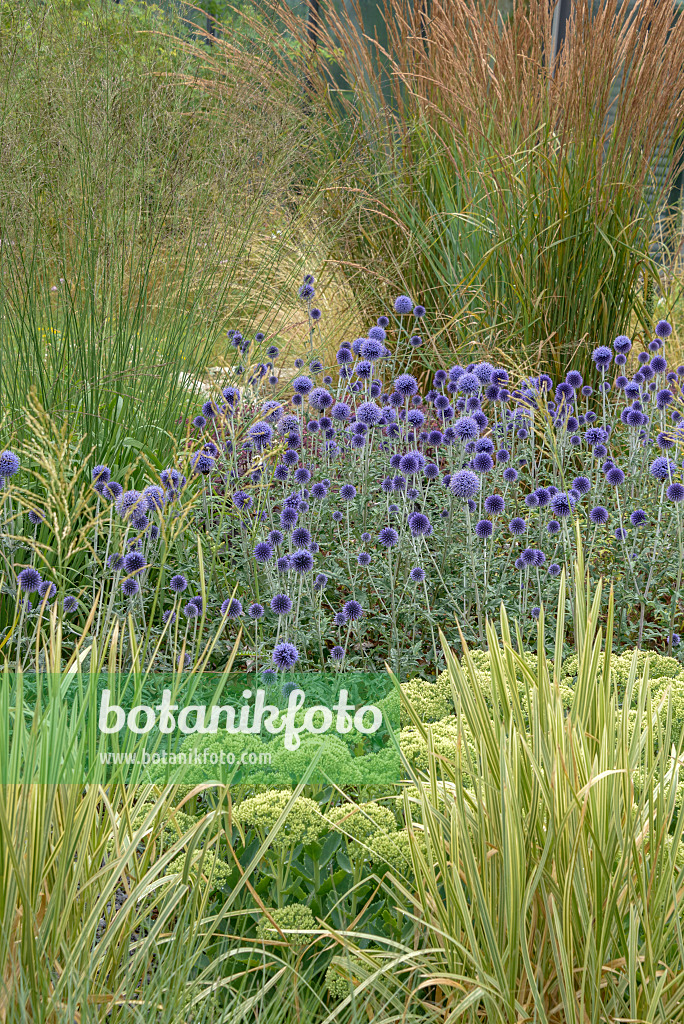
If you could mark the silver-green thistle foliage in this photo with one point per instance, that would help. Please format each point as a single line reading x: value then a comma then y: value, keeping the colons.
x: 405, y: 480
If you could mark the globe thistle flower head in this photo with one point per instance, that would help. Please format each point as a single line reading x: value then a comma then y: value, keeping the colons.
x: 131, y: 587
x: 302, y: 561
x: 134, y: 561
x: 363, y: 558
x: 582, y: 484
x: 288, y: 518
x: 554, y: 569
x: 281, y: 604
x: 484, y: 528
x: 615, y: 477
x: 353, y: 610
x: 242, y: 500
x: 517, y: 526
x: 369, y: 414
x: 29, y: 580
x: 599, y: 515
x: 70, y: 604
x: 553, y: 527
x: 638, y: 517
x: 315, y: 313
x: 406, y: 386
x: 465, y: 428
x: 663, y: 329
x: 419, y: 525
x: 301, y: 537
x: 101, y: 474
x: 510, y: 475
x: 337, y: 653
x: 464, y: 484
x: 675, y: 492
x: 388, y: 537
x: 131, y: 503
x: 344, y: 357
x: 320, y: 399
x: 302, y: 385
x: 468, y: 384
x: 602, y: 357
x: 403, y: 305
x: 347, y: 492
x: 284, y: 656
x: 574, y: 379
x: 263, y: 552
x: 35, y: 518
x: 664, y: 398
x: 306, y: 291
x: 261, y: 434
x: 622, y: 344
x: 302, y: 475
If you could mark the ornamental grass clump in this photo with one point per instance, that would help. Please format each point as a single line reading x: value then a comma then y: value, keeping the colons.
x: 547, y: 863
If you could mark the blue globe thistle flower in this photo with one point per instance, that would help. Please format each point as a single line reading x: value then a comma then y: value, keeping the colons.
x: 353, y: 610
x: 364, y: 369
x: 615, y: 477
x: 288, y: 518
x: 337, y: 516
x: 663, y: 398
x: 383, y: 321
x: 419, y: 525
x: 553, y: 527
x: 319, y: 491
x: 622, y: 344
x: 101, y: 474
x: 415, y: 341
x: 302, y: 475
x: 517, y: 526
x: 503, y: 455
x: 261, y: 434
x: 363, y: 558
x: 419, y: 312
x: 411, y: 463
x: 263, y: 552
x: 337, y: 653
x: 659, y: 364
x: 340, y: 412
x: 468, y: 384
x: 313, y: 426
x: 130, y: 503
x: 676, y: 639
x: 315, y: 313
x: 134, y: 561
x: 574, y: 379
x: 242, y: 500
x: 306, y: 291
x: 231, y: 608
x: 284, y: 655
x: 465, y: 428
x: 406, y: 386
x: 554, y: 569
x: 510, y: 475
x: 564, y: 390
x: 661, y: 468
x: 301, y: 537
x: 528, y: 557
x: 369, y: 414
x: 620, y: 534
x: 599, y: 515
x: 464, y: 484
x: 302, y: 561
x: 388, y: 537
x: 543, y: 497
x: 602, y: 357
x: 484, y: 528
x: 70, y: 604
x: 494, y: 504
x: 482, y: 463
x: 280, y: 473
x: 531, y: 500
x: 582, y: 484
x: 315, y: 366
x: 347, y: 492
x: 675, y: 492
x: 376, y: 335
x: 431, y: 471
x: 199, y: 422
x: 156, y: 499
x: 281, y: 604
x: 35, y: 518
x: 561, y: 505
x: 484, y: 372
x: 302, y: 385
x: 663, y: 329
x: 320, y: 582
x: 29, y: 580
x: 535, y: 611
x: 638, y: 517
x: 131, y: 587
x: 202, y: 463
x: 320, y: 399
x: 178, y: 583
x: 415, y: 418
x: 643, y: 359
x: 403, y: 305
